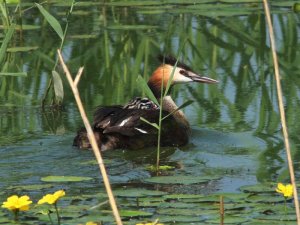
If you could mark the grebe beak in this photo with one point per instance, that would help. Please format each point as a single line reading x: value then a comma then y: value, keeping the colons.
x: 201, y: 79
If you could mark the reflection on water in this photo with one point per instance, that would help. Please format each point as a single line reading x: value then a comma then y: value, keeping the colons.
x: 236, y: 129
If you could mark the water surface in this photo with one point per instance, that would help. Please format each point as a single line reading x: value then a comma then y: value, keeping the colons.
x: 236, y: 132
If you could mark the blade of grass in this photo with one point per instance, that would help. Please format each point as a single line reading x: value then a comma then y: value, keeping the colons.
x: 18, y: 74
x: 6, y: 41
x: 152, y: 124
x: 52, y: 21
x: 187, y: 103
x: 147, y: 90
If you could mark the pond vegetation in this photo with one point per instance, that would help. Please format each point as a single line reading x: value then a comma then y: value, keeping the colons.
x: 236, y: 149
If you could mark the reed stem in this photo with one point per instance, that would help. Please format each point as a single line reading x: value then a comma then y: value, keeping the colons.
x: 221, y: 210
x: 281, y: 109
x: 91, y: 137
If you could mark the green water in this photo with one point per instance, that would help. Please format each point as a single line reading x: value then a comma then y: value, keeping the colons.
x: 236, y: 132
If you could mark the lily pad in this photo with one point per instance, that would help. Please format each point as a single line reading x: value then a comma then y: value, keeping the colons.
x: 32, y: 187
x: 131, y: 213
x: 228, y: 220
x: 258, y: 188
x: 152, y: 168
x: 182, y: 196
x: 64, y: 179
x: 265, y: 199
x: 180, y: 211
x: 185, y: 180
x: 175, y: 219
x: 181, y: 205
x: 137, y: 192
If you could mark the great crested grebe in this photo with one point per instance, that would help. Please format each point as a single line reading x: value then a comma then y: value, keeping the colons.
x: 121, y: 127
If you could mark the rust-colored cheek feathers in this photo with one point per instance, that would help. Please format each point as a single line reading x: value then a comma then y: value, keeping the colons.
x: 161, y: 75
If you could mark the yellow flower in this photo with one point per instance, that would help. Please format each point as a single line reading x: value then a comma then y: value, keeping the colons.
x: 149, y: 223
x: 285, y: 190
x: 16, y: 203
x: 91, y: 223
x: 52, y: 198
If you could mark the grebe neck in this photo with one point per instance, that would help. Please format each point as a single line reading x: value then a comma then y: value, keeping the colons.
x: 169, y: 105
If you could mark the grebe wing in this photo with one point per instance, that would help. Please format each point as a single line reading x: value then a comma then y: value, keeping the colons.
x: 128, y: 122
x: 103, y: 113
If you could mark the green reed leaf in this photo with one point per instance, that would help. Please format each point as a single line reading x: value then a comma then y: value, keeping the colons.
x: 52, y: 21
x: 22, y: 49
x: 17, y: 74
x: 170, y: 79
x: 148, y: 122
x: 6, y: 41
x: 187, y: 103
x: 146, y: 89
x: 58, y: 86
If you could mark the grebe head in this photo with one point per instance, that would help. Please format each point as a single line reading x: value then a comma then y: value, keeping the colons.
x: 181, y: 74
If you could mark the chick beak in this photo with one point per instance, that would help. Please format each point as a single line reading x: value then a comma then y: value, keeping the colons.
x: 201, y: 79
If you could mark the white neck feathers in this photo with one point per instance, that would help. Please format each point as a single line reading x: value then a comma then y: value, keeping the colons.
x: 169, y: 105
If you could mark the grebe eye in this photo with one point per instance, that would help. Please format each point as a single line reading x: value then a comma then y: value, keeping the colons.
x: 183, y: 72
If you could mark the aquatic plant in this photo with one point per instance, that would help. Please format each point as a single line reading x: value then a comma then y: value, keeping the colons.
x: 15, y: 204
x: 52, y: 199
x: 91, y: 136
x: 56, y: 82
x: 91, y: 223
x: 282, y: 111
x: 164, y: 93
x: 285, y: 190
x: 149, y: 224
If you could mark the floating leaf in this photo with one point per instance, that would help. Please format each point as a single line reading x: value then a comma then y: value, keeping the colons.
x: 51, y: 20
x: 58, y: 86
x: 153, y: 168
x: 137, y: 192
x: 265, y: 199
x: 182, y: 196
x: 186, y: 180
x: 181, y: 211
x: 229, y: 220
x: 133, y: 213
x: 181, y: 205
x: 22, y: 49
x: 259, y: 188
x: 175, y: 219
x: 64, y: 179
x: 32, y: 187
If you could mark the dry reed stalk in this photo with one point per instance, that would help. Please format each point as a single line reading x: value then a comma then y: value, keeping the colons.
x: 91, y: 136
x: 221, y: 210
x: 281, y: 109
